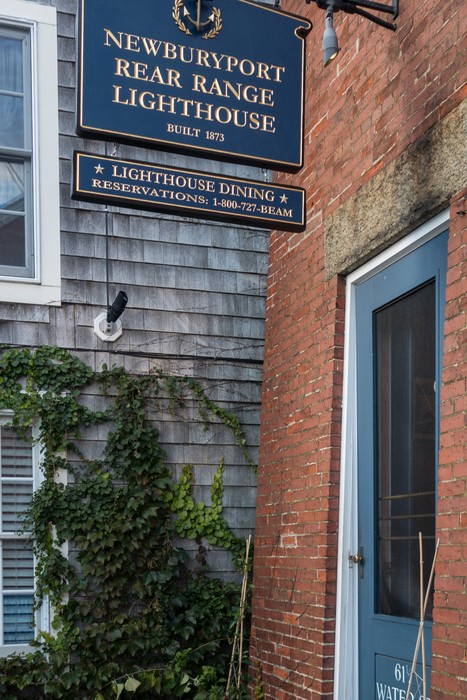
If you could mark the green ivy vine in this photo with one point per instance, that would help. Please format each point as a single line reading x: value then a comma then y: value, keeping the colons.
x: 130, y: 616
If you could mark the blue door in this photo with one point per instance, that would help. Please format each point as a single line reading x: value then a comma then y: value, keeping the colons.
x: 399, y: 317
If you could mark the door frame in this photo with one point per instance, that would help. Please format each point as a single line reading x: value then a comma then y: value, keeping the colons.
x: 346, y: 681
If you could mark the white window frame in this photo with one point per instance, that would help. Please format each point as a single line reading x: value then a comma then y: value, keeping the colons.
x: 346, y: 650
x: 42, y: 616
x: 45, y: 285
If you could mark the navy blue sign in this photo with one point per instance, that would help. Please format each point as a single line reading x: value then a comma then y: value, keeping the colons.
x: 219, y: 78
x: 179, y: 191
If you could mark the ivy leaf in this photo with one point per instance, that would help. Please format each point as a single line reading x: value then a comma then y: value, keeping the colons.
x: 118, y: 688
x: 130, y: 591
x: 132, y: 684
x: 185, y: 679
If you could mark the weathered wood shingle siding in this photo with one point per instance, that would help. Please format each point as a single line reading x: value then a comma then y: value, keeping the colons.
x: 196, y: 301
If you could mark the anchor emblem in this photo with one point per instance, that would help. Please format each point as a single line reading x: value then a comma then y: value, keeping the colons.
x: 214, y: 18
x: 197, y: 22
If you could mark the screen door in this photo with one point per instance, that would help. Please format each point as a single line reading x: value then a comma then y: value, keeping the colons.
x: 399, y: 320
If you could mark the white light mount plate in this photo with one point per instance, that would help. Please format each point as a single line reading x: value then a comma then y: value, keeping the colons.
x: 110, y: 332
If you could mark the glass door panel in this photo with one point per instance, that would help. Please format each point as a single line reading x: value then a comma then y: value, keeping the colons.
x: 405, y: 442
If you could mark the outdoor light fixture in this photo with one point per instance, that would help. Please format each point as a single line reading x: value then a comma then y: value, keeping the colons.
x: 107, y: 326
x: 352, y: 7
x: 330, y: 43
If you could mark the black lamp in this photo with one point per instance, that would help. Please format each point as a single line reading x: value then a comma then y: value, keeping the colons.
x: 115, y: 310
x: 357, y: 7
x: 330, y: 43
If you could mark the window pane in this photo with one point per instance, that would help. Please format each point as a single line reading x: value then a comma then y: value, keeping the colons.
x: 17, y: 565
x: 11, y: 185
x: 11, y: 64
x: 11, y: 121
x: 15, y: 500
x: 16, y: 455
x: 17, y: 253
x: 18, y: 619
x: 12, y: 240
x: 405, y: 355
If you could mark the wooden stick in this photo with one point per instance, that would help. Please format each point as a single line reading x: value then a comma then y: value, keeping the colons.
x: 242, y: 610
x: 232, y: 657
x: 425, y: 605
x: 239, y: 626
x: 422, y: 614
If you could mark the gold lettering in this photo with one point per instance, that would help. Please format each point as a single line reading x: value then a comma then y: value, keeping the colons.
x: 217, y: 61
x: 199, y: 83
x: 268, y: 123
x: 151, y: 46
x: 166, y: 102
x: 231, y: 62
x: 157, y: 76
x: 279, y: 70
x: 245, y: 62
x: 170, y: 51
x: 139, y: 71
x: 199, y: 111
x: 185, y: 104
x: 121, y: 67
x: 173, y: 78
x: 224, y: 88
x: 263, y: 71
x: 132, y: 41
x: 227, y: 119
x: 146, y: 103
x: 254, y: 121
x: 116, y: 41
x: 267, y: 97
x: 116, y: 98
x: 182, y: 55
x: 205, y: 111
x: 203, y: 58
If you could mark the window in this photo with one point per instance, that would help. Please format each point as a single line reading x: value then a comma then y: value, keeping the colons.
x: 17, y: 481
x: 29, y: 183
x: 16, y: 248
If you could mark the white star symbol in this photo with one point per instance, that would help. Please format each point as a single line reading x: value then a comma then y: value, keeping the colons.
x: 284, y: 199
x: 99, y: 169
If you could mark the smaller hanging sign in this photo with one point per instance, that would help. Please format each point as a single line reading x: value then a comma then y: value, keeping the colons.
x: 178, y: 191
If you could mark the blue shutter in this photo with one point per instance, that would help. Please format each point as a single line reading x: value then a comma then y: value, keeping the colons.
x: 18, y: 618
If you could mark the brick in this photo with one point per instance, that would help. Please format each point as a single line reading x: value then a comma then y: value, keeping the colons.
x: 361, y: 115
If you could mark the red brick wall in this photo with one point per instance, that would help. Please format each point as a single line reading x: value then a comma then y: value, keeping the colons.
x: 297, y: 515
x: 449, y: 678
x: 383, y: 91
x: 381, y: 94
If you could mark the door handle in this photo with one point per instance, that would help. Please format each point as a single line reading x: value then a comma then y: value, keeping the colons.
x: 357, y: 559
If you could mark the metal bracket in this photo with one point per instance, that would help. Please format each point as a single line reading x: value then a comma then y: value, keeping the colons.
x: 356, y: 7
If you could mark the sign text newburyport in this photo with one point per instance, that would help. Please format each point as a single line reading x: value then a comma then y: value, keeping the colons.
x: 228, y: 85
